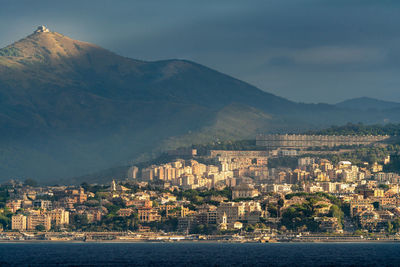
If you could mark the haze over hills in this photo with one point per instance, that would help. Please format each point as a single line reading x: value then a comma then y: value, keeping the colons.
x: 68, y: 108
x: 367, y: 103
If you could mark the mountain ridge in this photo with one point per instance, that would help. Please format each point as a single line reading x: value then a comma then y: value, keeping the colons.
x: 366, y: 103
x: 68, y: 108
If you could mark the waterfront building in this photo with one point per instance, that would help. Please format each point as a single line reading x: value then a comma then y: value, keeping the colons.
x: 18, y: 222
x: 237, y: 225
x: 328, y: 224
x: 41, y: 219
x: 186, y: 224
x: 59, y: 216
x: 232, y: 210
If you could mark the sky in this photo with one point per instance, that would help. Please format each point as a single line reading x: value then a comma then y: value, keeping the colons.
x: 306, y: 51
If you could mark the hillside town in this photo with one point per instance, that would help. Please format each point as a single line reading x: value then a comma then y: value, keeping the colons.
x: 231, y: 195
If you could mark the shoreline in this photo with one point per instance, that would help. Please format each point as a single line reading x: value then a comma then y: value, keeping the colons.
x: 193, y: 241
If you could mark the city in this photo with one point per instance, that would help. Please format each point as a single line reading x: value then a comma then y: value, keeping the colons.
x: 265, y: 195
x: 199, y: 133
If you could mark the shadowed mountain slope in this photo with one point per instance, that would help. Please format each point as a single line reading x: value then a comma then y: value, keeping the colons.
x: 68, y: 108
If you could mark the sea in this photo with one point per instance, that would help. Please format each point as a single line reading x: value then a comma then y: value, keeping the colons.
x: 199, y: 254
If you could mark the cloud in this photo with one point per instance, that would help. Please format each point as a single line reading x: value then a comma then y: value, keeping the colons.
x: 326, y: 55
x: 296, y: 49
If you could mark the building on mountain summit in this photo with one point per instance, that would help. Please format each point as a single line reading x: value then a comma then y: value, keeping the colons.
x: 42, y: 28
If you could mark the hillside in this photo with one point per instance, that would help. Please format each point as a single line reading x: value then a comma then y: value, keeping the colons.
x: 367, y: 103
x: 360, y: 129
x: 69, y: 108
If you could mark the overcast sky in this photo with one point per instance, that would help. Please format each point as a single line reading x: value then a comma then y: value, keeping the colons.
x: 308, y: 51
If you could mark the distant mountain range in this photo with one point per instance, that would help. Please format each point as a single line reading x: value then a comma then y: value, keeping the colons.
x: 68, y: 108
x: 367, y: 103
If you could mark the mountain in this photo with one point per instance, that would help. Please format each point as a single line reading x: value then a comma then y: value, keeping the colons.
x: 366, y: 103
x: 68, y: 108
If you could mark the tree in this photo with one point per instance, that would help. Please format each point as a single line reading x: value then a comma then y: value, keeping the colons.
x: 249, y: 228
x: 273, y: 211
x: 396, y: 224
x: 280, y: 203
x: 390, y: 227
x: 358, y: 232
x: 383, y: 186
x: 40, y: 228
x: 4, y: 220
x: 85, y: 186
x: 336, y: 212
x: 79, y: 220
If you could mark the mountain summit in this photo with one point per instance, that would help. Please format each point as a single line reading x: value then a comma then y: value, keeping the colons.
x: 42, y: 28
x: 69, y: 107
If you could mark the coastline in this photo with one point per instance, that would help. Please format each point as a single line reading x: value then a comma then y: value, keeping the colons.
x: 144, y: 241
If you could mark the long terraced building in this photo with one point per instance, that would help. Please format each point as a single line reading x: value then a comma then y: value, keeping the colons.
x: 273, y: 141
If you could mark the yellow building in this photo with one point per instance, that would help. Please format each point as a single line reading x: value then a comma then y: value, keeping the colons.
x: 35, y: 220
x: 376, y: 167
x: 244, y: 191
x: 379, y: 193
x: 59, y: 216
x: 18, y: 222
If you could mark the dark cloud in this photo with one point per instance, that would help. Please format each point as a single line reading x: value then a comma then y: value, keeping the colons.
x: 310, y: 51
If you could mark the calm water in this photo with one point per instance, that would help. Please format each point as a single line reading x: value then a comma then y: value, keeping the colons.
x: 199, y: 254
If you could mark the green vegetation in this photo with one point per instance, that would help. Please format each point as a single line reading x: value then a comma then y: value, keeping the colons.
x: 383, y: 186
x: 71, y: 136
x: 360, y: 129
x: 46, y: 50
x: 3, y: 197
x: 10, y: 51
x: 198, y: 197
x: 40, y: 227
x: 95, y: 188
x: 336, y: 212
x: 5, y: 219
x: 394, y: 165
x: 204, y: 229
x: 365, y: 154
x: 286, y: 162
x: 77, y: 46
x: 274, y: 209
x: 5, y: 216
x: 40, y: 57
x: 394, y: 226
x: 300, y: 217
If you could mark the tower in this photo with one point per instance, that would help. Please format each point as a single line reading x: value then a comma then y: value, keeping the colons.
x: 113, y: 186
